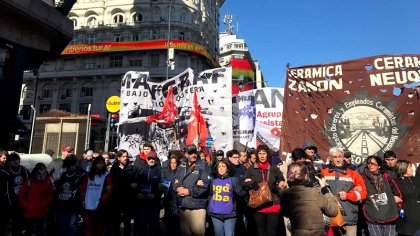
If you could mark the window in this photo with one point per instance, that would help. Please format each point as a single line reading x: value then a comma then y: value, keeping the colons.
x: 135, y: 63
x: 117, y: 37
x: 86, y: 92
x: 90, y: 38
x: 181, y: 36
x: 46, y: 93
x: 64, y: 107
x: 156, y: 14
x: 83, y: 108
x: 137, y: 17
x: 74, y: 40
x: 154, y: 34
x: 136, y: 36
x: 66, y: 93
x: 183, y: 16
x: 155, y: 60
x: 44, y: 108
x: 117, y: 19
x: 90, y: 66
x: 116, y: 61
x: 91, y: 21
x: 25, y: 112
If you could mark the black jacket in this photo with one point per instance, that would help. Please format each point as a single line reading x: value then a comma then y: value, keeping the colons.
x: 123, y: 194
x: 254, y: 172
x: 379, y: 206
x: 148, y: 184
x: 187, y: 177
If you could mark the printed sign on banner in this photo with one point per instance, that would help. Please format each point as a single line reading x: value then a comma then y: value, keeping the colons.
x: 269, y: 108
x: 214, y: 96
x: 368, y: 106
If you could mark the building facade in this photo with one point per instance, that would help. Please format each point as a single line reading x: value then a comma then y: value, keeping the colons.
x: 113, y: 37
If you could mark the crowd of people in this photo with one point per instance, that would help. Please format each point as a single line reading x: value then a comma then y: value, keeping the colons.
x: 248, y: 192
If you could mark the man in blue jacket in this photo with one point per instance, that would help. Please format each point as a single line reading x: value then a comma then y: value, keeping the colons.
x: 192, y: 187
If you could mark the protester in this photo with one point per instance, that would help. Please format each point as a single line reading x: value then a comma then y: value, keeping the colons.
x: 107, y: 158
x: 409, y: 188
x: 171, y: 216
x: 55, y: 168
x: 192, y: 185
x: 140, y: 161
x: 68, y: 203
x: 35, y: 196
x: 267, y: 216
x: 86, y: 161
x: 5, y: 203
x: 390, y: 158
x: 96, y: 190
x: 243, y: 157
x: 305, y: 204
x: 149, y: 197
x: 348, y: 159
x: 238, y: 170
x: 124, y: 179
x: 379, y: 209
x: 311, y: 150
x: 224, y: 192
x: 350, y: 188
x: 251, y: 156
x: 19, y: 176
x: 3, y: 158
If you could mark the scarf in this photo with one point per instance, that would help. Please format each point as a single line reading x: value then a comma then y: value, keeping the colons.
x: 263, y: 166
x: 375, y: 179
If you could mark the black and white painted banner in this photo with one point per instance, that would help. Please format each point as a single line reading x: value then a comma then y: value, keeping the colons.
x: 141, y: 98
x: 244, y: 117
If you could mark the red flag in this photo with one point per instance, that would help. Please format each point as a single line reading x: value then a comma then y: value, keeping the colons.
x: 169, y: 111
x: 197, y: 129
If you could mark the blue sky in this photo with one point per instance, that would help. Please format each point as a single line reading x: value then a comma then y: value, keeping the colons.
x: 305, y: 32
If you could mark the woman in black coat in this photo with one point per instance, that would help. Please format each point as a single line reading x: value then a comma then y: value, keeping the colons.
x: 409, y: 188
x: 266, y: 216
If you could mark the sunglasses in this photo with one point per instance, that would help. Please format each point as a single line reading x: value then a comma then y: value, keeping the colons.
x: 373, y: 164
x: 192, y: 152
x: 150, y: 158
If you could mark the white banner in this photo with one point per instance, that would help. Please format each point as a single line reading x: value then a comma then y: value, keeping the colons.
x: 214, y: 91
x: 243, y: 117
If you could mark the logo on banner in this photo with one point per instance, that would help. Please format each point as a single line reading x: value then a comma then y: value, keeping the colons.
x: 364, y: 126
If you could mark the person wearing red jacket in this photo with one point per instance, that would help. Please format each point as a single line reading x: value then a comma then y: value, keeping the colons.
x: 35, y: 197
x: 349, y: 187
x: 95, y: 194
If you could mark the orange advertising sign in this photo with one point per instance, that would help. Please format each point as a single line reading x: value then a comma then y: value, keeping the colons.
x: 107, y: 47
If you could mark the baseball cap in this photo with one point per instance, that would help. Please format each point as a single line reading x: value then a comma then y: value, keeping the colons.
x: 151, y: 154
x: 66, y: 149
x: 220, y: 153
x: 191, y: 149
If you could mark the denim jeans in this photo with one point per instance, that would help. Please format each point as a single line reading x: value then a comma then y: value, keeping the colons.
x: 224, y: 227
x: 68, y: 222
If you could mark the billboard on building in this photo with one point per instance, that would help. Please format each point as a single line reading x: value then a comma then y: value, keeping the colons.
x: 141, y: 98
x: 368, y: 106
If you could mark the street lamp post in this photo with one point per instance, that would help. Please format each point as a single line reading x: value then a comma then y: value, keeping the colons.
x: 170, y: 53
x: 32, y: 128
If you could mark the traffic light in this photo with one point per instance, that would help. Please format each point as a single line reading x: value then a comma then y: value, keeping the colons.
x: 114, y: 120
